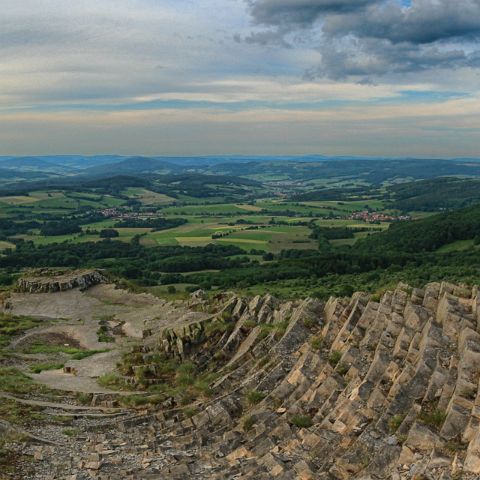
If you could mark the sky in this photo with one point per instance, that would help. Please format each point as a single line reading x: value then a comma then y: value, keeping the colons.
x: 273, y: 77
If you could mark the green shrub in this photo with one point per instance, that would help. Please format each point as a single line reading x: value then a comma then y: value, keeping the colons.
x: 343, y: 368
x: 395, y: 422
x: 190, y: 412
x: 317, y: 342
x: 103, y: 335
x: 14, y: 381
x: 80, y: 355
x: 248, y: 423
x: 84, y: 398
x: 280, y: 328
x: 40, y: 367
x: 186, y: 367
x: 301, y: 421
x: 334, y: 358
x: 434, y: 418
x: 249, y: 324
x: 310, y: 322
x: 254, y: 397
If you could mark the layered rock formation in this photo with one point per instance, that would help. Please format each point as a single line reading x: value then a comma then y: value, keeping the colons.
x: 350, y: 389
x: 51, y: 282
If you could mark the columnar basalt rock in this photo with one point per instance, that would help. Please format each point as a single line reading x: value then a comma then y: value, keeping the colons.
x: 40, y: 282
x: 349, y: 389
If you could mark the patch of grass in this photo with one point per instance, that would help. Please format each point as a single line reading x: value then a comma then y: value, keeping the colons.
x: 317, y: 342
x: 254, y: 396
x: 280, y: 328
x: 40, y: 367
x: 301, y: 421
x: 135, y: 401
x: 61, y: 419
x: 112, y: 381
x: 249, y: 324
x: 71, y: 432
x: 18, y: 413
x: 334, y: 358
x: 11, y: 326
x: 190, y: 412
x: 310, y: 323
x: 343, y: 368
x: 103, y: 336
x: 36, y: 348
x: 433, y: 418
x: 186, y: 367
x: 218, y: 326
x: 14, y: 381
x: 87, y: 353
x: 248, y: 423
x: 395, y: 422
x: 454, y: 446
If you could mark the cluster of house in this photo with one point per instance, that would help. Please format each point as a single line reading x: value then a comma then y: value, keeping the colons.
x: 375, y: 217
x: 116, y: 213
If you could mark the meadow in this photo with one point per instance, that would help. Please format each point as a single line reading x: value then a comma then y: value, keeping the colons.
x: 267, y: 224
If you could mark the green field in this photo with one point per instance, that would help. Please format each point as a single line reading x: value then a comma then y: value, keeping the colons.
x: 6, y: 245
x: 147, y: 197
x: 268, y: 224
x: 458, y: 246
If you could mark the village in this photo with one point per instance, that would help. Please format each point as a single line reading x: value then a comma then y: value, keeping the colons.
x: 377, y: 217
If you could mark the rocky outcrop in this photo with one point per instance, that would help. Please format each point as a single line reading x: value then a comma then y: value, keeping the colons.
x: 350, y: 389
x: 51, y: 282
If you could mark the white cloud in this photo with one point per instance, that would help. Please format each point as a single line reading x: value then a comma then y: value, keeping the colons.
x: 69, y: 68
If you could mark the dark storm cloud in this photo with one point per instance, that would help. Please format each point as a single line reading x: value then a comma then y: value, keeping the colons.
x: 367, y: 37
x: 300, y: 12
x: 427, y: 21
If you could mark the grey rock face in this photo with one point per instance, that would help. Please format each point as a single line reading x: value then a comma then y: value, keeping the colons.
x: 353, y: 389
x: 60, y: 282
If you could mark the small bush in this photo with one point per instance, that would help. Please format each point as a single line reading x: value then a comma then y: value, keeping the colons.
x: 281, y: 328
x: 248, y: 423
x: 254, y: 397
x: 226, y: 316
x: 343, y: 368
x: 185, y: 379
x: 249, y: 324
x: 334, y: 358
x: 434, y: 418
x: 186, y: 367
x: 301, y: 421
x: 395, y: 422
x: 190, y: 412
x: 84, y: 398
x: 317, y: 343
x: 310, y: 322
